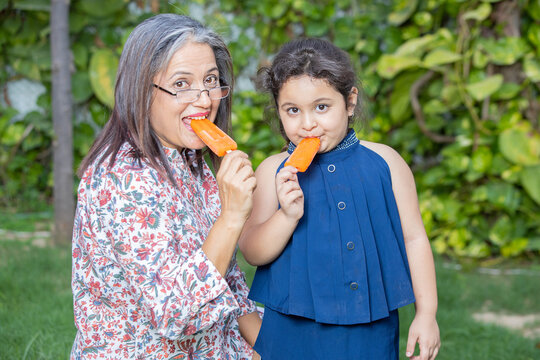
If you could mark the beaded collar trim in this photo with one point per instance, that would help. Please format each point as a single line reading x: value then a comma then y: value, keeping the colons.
x: 346, y: 143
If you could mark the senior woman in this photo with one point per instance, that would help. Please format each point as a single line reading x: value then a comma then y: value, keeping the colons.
x: 155, y: 234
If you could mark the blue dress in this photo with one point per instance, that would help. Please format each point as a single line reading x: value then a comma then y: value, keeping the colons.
x: 334, y: 291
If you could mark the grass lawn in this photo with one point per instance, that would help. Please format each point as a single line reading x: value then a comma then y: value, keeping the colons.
x: 36, y: 315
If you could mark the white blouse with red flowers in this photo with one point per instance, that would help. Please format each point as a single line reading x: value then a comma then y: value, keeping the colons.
x: 142, y: 286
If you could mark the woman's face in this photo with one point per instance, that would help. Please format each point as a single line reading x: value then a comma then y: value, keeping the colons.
x: 311, y: 107
x: 192, y: 67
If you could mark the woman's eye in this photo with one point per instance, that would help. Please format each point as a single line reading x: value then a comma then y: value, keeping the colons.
x: 211, y: 81
x: 181, y: 84
x: 322, y: 107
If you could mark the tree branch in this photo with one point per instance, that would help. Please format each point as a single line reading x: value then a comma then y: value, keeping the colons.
x: 419, y: 114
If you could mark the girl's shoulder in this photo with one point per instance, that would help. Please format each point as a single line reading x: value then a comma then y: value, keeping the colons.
x: 271, y: 163
x: 394, y: 160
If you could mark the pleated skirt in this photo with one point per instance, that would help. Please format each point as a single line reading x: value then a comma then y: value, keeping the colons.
x: 293, y: 337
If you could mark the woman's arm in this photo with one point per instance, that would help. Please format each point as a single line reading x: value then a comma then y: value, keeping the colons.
x: 424, y: 328
x: 268, y: 229
x: 236, y: 184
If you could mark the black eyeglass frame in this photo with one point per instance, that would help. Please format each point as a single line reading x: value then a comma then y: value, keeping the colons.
x: 200, y: 92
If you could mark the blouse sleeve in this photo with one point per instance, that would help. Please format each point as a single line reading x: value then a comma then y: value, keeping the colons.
x: 180, y: 290
x: 237, y: 283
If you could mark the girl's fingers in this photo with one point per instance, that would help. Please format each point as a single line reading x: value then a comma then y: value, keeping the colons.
x: 411, y: 344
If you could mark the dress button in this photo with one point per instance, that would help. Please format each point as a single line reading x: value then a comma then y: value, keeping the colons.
x: 331, y: 168
x: 350, y: 245
x: 341, y: 205
x: 354, y: 285
x: 194, y: 308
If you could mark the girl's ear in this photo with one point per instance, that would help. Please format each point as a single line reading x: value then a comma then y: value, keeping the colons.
x: 351, y: 101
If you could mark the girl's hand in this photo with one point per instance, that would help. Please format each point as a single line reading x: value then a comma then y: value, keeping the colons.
x: 424, y: 331
x: 290, y: 195
x: 236, y: 182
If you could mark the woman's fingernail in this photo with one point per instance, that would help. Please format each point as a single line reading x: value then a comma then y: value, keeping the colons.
x: 408, y: 354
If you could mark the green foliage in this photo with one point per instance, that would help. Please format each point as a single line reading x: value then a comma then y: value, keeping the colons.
x: 447, y: 82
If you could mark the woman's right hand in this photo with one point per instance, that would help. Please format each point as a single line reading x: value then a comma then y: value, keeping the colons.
x: 236, y: 182
x: 290, y: 195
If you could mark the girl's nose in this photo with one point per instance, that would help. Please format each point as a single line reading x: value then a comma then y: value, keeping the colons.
x: 309, y: 122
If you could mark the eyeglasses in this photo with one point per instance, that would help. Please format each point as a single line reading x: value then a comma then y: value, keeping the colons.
x: 192, y: 95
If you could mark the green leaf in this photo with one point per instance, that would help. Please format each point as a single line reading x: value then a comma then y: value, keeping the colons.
x: 403, y: 9
x: 480, y: 59
x: 519, y: 146
x: 102, y: 71
x: 503, y: 195
x: 505, y: 51
x: 415, y: 46
x: 479, y: 14
x: 32, y: 5
x: 534, y: 35
x: 515, y: 247
x: 399, y: 99
x: 440, y: 57
x: 507, y: 91
x: 481, y: 159
x: 533, y: 9
x: 390, y: 65
x: 530, y: 179
x: 531, y: 67
x: 316, y: 28
x: 101, y: 8
x: 81, y: 87
x: 501, y: 232
x: 482, y: 89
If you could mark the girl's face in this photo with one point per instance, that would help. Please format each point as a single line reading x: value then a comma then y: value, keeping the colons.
x: 192, y: 67
x: 311, y: 107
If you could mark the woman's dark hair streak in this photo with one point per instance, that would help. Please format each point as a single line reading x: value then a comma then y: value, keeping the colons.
x: 146, y: 52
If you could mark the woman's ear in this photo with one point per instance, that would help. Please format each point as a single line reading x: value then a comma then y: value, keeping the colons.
x: 351, y: 101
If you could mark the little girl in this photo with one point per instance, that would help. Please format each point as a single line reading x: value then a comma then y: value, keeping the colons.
x: 334, y: 244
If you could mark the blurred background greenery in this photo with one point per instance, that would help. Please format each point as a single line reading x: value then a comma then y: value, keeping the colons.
x: 452, y: 85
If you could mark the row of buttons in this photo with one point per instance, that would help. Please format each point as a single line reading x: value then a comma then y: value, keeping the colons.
x: 350, y: 245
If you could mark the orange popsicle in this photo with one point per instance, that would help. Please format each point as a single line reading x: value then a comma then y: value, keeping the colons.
x: 219, y: 142
x: 304, y: 153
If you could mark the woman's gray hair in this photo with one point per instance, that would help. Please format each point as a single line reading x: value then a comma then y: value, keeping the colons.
x: 147, y: 51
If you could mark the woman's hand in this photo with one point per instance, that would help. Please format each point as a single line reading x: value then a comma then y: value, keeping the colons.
x: 424, y: 331
x: 290, y: 195
x: 236, y: 182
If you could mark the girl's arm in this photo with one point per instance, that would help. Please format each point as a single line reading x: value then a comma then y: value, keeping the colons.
x: 268, y: 229
x: 424, y: 329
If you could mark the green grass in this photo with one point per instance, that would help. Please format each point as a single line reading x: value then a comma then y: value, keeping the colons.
x: 36, y: 315
x: 36, y: 312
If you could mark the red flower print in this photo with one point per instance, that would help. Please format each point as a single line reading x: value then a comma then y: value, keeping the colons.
x: 104, y: 197
x: 142, y: 253
x: 146, y: 219
x: 202, y: 271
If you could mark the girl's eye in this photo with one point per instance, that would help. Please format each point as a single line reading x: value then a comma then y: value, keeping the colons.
x: 181, y: 84
x: 211, y: 81
x: 293, y: 110
x: 322, y: 107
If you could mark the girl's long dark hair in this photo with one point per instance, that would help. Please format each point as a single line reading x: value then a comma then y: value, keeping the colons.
x: 146, y: 52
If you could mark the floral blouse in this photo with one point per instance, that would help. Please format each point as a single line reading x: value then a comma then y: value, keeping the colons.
x: 142, y: 286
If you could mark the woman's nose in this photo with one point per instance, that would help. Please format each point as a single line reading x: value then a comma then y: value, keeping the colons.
x: 204, y: 99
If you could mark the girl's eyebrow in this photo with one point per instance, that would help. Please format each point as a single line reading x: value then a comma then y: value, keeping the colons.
x: 318, y: 100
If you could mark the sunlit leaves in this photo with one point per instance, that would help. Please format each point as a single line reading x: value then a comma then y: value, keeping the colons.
x: 102, y: 72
